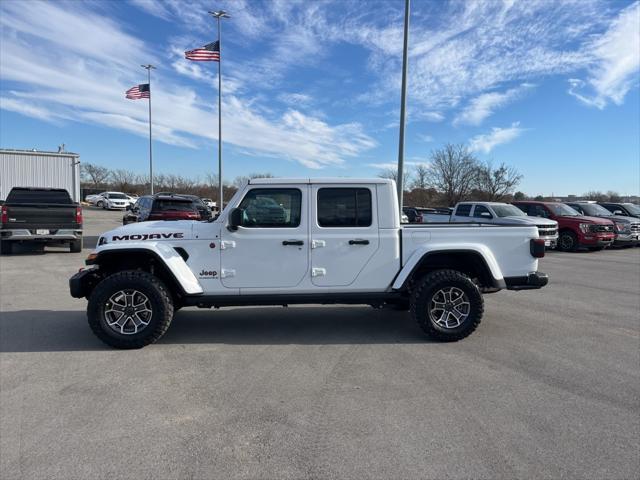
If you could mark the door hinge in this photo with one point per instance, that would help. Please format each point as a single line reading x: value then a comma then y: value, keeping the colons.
x: 227, y: 273
x: 224, y: 244
x: 318, y: 243
x: 318, y: 272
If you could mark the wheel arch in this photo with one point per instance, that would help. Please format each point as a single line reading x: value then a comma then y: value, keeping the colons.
x: 469, y: 261
x: 163, y: 261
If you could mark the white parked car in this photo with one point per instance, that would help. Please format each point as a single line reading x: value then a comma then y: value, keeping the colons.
x: 209, y: 203
x: 113, y: 200
x: 93, y: 198
x: 283, y: 242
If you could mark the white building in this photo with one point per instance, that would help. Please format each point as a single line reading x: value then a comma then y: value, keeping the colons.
x: 33, y: 168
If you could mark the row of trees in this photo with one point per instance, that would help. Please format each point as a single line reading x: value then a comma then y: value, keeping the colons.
x: 454, y: 174
x: 98, y: 177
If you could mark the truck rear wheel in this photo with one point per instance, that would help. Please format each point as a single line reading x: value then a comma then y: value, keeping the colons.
x: 6, y: 248
x: 447, y: 305
x: 75, y: 246
x: 130, y: 309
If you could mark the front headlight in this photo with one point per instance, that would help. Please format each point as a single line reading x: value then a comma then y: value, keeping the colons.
x: 623, y: 227
x: 585, y: 227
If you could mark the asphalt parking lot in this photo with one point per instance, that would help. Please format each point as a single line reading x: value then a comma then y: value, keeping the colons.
x: 548, y: 387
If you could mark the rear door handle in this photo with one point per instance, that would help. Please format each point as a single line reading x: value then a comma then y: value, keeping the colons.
x: 358, y: 242
x: 292, y: 242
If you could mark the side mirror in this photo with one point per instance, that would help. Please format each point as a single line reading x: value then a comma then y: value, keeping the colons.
x: 235, y: 218
x: 486, y: 215
x: 618, y: 212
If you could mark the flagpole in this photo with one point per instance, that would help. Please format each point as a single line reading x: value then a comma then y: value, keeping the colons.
x: 149, y: 67
x: 218, y: 15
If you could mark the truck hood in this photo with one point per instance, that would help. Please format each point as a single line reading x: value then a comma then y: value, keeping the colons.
x: 586, y: 219
x: 622, y: 219
x: 149, y: 231
x: 530, y: 220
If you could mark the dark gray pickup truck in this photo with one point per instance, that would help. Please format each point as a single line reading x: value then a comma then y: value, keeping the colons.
x: 44, y: 215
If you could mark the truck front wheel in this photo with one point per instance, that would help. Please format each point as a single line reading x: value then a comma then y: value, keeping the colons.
x: 130, y: 309
x: 447, y: 305
x: 568, y: 241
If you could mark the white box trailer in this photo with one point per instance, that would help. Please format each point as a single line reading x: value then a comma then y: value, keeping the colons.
x: 33, y: 168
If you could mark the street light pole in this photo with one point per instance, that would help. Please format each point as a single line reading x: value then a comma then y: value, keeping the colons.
x: 150, y: 67
x: 403, y: 102
x: 218, y: 15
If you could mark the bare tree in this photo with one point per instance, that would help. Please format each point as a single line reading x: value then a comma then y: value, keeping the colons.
x: 95, y: 174
x: 496, y: 183
x: 123, y: 180
x: 392, y: 174
x: 452, y: 171
x: 614, y: 196
x: 596, y: 195
x: 242, y: 179
x: 420, y: 176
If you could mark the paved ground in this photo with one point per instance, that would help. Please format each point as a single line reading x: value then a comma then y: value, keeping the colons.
x: 548, y: 387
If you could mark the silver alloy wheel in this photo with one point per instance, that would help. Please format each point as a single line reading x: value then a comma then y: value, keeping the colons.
x: 449, y: 307
x: 128, y: 312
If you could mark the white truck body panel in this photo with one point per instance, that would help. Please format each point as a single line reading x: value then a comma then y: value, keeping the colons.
x: 250, y: 261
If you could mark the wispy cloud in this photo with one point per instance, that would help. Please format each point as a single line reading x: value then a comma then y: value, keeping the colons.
x: 616, y: 63
x: 483, y: 106
x: 498, y: 136
x: 77, y: 65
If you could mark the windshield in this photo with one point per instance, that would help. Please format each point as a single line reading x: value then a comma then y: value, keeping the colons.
x: 562, y: 210
x: 119, y: 196
x: 595, y: 210
x: 633, y: 208
x: 507, y: 211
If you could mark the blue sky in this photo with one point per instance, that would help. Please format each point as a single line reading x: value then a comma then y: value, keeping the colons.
x: 312, y: 88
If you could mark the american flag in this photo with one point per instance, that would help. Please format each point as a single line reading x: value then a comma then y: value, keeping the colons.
x: 208, y: 53
x: 138, y: 92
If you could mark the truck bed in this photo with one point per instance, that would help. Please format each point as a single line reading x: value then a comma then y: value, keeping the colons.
x: 509, y: 244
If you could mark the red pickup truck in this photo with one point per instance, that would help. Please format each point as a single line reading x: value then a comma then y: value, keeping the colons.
x: 575, y: 231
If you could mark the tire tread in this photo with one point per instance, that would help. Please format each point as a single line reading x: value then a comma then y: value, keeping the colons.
x: 418, y: 308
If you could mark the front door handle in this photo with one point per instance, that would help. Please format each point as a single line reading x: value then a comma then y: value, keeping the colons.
x: 358, y: 242
x: 293, y: 242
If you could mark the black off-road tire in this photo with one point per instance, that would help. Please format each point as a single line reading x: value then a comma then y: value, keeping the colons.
x: 6, y: 248
x: 421, y: 299
x: 567, y: 241
x: 75, y: 246
x: 149, y: 285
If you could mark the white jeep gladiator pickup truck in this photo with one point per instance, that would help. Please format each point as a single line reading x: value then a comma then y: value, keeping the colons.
x: 286, y: 241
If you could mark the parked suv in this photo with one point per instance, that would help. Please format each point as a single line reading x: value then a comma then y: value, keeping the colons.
x: 627, y: 228
x: 576, y: 231
x: 161, y: 207
x: 625, y: 208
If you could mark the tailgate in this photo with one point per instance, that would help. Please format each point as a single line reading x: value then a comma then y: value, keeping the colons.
x: 31, y: 216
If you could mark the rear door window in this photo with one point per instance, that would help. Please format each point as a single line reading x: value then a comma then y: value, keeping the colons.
x: 173, y: 205
x: 344, y: 207
x: 463, y: 210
